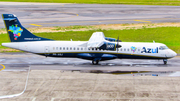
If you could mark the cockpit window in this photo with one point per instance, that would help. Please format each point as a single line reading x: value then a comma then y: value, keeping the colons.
x: 163, y: 47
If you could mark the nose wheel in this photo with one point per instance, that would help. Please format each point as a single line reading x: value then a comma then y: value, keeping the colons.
x: 165, y: 61
x: 95, y: 62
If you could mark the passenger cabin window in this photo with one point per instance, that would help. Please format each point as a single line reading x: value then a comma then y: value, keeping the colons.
x: 70, y: 48
x: 128, y: 49
x: 81, y: 48
x: 77, y: 48
x: 63, y: 48
x: 121, y: 49
x: 59, y: 48
x: 124, y: 49
x: 74, y: 48
x: 163, y: 47
x: 67, y: 48
x: 56, y: 48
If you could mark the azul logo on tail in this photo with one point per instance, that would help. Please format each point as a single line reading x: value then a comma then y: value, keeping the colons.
x: 17, y: 31
x: 149, y: 50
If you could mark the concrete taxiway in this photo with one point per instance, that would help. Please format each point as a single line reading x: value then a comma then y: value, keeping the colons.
x: 55, y: 85
x: 52, y: 79
x: 57, y: 14
x: 36, y: 62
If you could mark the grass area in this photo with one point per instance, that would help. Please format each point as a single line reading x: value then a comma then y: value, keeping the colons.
x: 135, y: 2
x: 3, y: 38
x: 167, y: 35
x: 76, y: 27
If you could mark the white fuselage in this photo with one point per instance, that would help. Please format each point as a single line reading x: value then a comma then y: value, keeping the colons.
x: 58, y: 48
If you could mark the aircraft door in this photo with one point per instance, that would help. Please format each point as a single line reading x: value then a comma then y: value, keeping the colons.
x: 46, y: 50
x: 163, y: 53
x: 138, y: 50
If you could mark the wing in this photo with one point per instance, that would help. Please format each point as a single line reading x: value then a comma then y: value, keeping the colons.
x: 96, y: 40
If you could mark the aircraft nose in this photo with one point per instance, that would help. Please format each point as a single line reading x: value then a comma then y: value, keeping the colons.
x: 172, y: 53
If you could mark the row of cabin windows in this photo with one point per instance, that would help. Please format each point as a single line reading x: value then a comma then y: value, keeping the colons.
x: 74, y: 48
x: 126, y: 49
x: 67, y: 48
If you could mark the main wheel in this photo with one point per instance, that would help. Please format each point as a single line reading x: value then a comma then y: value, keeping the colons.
x: 165, y: 61
x: 95, y: 62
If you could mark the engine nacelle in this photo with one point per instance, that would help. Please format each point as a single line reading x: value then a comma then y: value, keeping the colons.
x: 108, y: 46
x: 112, y: 39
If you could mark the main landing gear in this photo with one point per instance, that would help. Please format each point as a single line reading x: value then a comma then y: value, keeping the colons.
x: 165, y: 61
x: 95, y: 62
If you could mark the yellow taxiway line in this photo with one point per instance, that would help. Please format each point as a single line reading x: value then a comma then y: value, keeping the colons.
x: 3, y: 67
x: 142, y: 21
x: 36, y: 25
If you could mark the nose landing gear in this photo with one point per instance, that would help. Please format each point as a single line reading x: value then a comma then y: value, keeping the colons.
x: 165, y: 61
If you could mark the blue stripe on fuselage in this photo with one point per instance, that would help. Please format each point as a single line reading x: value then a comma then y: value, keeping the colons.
x: 91, y: 56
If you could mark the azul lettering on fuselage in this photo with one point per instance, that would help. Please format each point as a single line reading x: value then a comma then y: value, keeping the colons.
x: 149, y: 50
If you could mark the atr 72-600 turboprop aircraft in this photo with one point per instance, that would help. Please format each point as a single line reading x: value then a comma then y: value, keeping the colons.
x: 98, y: 48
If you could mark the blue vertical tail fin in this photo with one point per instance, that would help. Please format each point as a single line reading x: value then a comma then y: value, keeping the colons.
x: 16, y: 32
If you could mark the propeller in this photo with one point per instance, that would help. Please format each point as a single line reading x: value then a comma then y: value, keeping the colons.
x: 117, y: 45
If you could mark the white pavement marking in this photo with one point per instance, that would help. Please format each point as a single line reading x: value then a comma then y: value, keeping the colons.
x: 15, y: 95
x: 38, y: 88
x: 34, y: 99
x: 52, y: 99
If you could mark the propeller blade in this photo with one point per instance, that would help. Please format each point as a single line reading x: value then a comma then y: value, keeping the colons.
x: 117, y: 44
